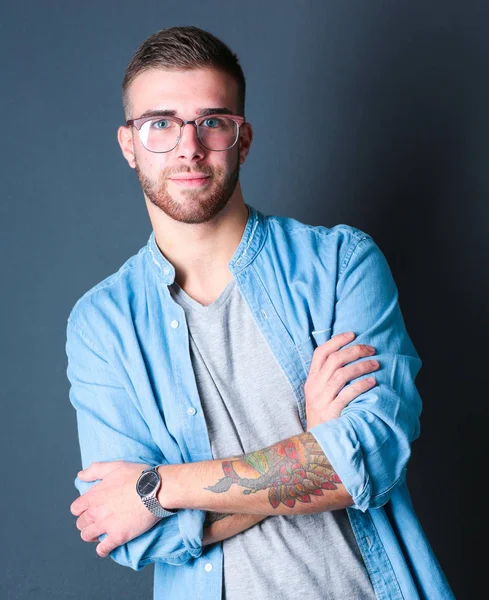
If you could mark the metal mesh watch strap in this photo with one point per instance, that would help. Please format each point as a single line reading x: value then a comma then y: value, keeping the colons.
x: 151, y: 502
x: 155, y: 507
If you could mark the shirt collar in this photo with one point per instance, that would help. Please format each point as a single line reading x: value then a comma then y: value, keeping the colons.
x: 251, y: 242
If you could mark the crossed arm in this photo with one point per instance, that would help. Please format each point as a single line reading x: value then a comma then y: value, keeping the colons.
x: 293, y: 473
x: 290, y: 477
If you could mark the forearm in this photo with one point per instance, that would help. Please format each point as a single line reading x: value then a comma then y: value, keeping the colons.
x: 221, y: 526
x: 290, y: 477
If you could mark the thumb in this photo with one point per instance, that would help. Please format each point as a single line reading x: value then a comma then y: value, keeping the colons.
x: 97, y: 470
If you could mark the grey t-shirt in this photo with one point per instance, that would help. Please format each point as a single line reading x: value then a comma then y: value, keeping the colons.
x: 248, y: 405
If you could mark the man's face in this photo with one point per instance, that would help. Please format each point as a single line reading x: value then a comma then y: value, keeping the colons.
x: 185, y: 92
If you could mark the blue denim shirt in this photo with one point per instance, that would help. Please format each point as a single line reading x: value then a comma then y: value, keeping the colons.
x: 135, y: 395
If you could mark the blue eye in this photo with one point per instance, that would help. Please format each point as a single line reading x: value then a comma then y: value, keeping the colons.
x: 213, y: 122
x: 160, y: 124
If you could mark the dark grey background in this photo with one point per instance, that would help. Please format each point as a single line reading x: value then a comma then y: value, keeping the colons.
x: 367, y: 113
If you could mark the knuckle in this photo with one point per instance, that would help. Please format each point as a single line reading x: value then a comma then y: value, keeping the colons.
x: 337, y: 376
x: 321, y: 350
x: 333, y: 359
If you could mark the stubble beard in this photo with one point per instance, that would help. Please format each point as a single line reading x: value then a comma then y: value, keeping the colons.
x: 195, y: 205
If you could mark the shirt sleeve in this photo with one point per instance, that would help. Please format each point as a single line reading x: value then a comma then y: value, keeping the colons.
x: 111, y: 427
x: 369, y: 445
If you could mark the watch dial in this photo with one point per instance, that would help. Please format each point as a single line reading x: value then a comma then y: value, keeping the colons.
x: 148, y: 483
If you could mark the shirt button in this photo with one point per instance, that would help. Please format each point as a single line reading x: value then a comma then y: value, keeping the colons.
x: 191, y: 411
x: 174, y: 324
x: 208, y: 567
x: 166, y: 270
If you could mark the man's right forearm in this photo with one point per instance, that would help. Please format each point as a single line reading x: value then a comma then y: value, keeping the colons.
x: 221, y: 526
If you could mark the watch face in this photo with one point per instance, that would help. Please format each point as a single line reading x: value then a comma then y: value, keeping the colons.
x: 147, y: 483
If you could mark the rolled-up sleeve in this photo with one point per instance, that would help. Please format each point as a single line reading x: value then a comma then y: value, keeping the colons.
x: 369, y: 445
x: 110, y: 427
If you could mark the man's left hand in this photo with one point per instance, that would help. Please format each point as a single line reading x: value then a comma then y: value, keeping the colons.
x: 112, y: 506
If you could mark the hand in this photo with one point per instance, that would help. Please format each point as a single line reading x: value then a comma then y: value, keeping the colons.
x: 112, y: 506
x: 327, y: 376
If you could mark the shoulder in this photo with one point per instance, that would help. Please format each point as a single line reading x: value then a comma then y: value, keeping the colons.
x: 343, y: 239
x: 104, y: 303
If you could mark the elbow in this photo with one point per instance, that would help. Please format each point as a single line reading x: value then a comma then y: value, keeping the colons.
x: 369, y: 454
x: 382, y: 456
x: 377, y: 498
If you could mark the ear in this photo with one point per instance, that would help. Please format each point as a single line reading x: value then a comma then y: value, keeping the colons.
x: 124, y: 137
x: 245, y: 138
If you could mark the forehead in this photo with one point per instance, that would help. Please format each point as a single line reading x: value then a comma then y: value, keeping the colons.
x: 183, y: 91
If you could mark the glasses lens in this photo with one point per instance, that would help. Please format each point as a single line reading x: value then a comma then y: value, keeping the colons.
x: 159, y: 134
x: 218, y: 133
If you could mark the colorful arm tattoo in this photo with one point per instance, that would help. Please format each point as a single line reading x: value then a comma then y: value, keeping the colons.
x: 291, y: 470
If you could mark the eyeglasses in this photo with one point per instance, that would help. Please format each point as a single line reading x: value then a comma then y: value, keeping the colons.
x: 162, y: 134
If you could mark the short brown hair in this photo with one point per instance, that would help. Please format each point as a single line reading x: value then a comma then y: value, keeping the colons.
x: 184, y: 48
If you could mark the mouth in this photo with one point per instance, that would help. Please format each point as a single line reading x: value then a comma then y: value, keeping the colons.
x: 191, y: 181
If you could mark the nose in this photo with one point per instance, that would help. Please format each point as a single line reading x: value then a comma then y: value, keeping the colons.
x: 189, y: 145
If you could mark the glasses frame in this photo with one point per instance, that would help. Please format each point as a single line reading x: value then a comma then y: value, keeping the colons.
x: 139, y: 122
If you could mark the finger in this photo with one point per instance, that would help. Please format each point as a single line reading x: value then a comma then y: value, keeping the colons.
x: 322, y: 352
x: 345, y: 374
x: 105, y: 547
x: 91, y: 533
x: 79, y: 505
x: 350, y: 372
x: 351, y: 354
x: 83, y: 521
x: 352, y: 391
x: 98, y: 470
x: 338, y: 359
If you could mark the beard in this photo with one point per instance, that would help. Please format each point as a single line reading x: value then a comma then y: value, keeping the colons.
x: 195, y: 205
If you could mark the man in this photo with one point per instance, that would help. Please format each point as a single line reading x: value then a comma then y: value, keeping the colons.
x: 222, y: 355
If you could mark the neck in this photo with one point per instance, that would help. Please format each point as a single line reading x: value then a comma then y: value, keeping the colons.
x: 200, y: 253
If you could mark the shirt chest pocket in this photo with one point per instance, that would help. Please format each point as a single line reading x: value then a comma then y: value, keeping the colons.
x: 307, y: 347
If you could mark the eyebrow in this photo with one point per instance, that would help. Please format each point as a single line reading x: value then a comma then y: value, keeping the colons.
x: 202, y: 112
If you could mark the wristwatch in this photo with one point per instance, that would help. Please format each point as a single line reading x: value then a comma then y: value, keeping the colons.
x: 147, y: 487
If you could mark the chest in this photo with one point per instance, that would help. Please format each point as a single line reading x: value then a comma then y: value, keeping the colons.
x: 163, y: 376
